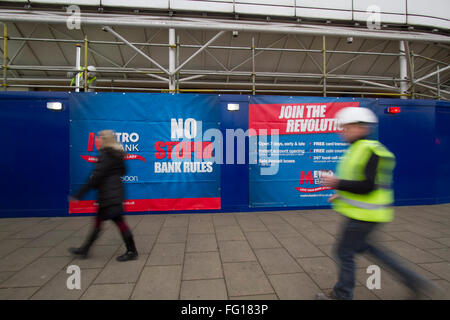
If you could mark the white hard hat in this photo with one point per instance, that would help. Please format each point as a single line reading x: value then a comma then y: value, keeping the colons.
x: 356, y: 115
x: 91, y: 68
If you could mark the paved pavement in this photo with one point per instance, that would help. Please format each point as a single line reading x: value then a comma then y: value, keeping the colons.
x: 252, y: 255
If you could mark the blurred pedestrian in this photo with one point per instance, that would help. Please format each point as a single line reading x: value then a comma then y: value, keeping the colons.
x: 106, y: 178
x: 364, y: 196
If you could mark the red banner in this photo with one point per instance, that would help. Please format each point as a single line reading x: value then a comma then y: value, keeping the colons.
x: 295, y: 118
x: 142, y: 205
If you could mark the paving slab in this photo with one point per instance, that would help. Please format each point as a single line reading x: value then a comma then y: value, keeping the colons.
x: 49, y: 239
x: 213, y: 289
x: 277, y: 261
x: 318, y: 236
x: 37, y: 273
x: 322, y: 270
x: 172, y: 235
x: 121, y: 272
x: 180, y: 221
x: 441, y: 269
x: 36, y: 230
x: 270, y: 218
x: 417, y: 240
x: 391, y: 287
x: 158, y: 283
x: 300, y: 247
x: 443, y: 290
x: 444, y: 241
x: 166, y: 254
x: 62, y: 249
x: 363, y: 293
x: 6, y: 275
x: 246, y: 278
x: 201, y: 243
x: 202, y: 265
x: 235, y: 251
x: 282, y: 230
x: 295, y: 286
x: 224, y: 219
x: 201, y: 227
x: 257, y: 297
x: 443, y: 253
x: 20, y: 258
x: 17, y: 293
x: 411, y: 252
x: 148, y: 227
x: 229, y: 233
x: 56, y: 288
x: 251, y: 224
x: 262, y: 240
x: 8, y: 246
x: 299, y: 222
x: 108, y: 292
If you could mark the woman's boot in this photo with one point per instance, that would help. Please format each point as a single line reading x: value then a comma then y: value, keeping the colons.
x: 84, y: 249
x: 131, y: 253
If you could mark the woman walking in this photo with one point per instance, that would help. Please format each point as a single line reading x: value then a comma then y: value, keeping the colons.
x: 106, y: 178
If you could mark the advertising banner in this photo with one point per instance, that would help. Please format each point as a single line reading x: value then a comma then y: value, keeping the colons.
x: 298, y: 139
x: 168, y: 162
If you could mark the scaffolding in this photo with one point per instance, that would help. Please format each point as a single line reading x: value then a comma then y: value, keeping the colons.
x: 410, y: 81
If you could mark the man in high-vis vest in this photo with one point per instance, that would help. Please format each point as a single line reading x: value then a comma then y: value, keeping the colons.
x: 91, y: 78
x: 364, y: 195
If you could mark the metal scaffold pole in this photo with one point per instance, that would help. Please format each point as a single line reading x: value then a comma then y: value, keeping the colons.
x: 324, y: 71
x: 5, y: 57
x: 86, y: 85
x: 253, y: 67
x: 403, y: 71
x: 78, y: 67
x: 172, y: 60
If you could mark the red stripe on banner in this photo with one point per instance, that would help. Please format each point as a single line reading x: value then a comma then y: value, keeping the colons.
x: 311, y: 190
x: 93, y: 159
x: 137, y: 205
x: 295, y: 118
x: 134, y: 157
x: 90, y: 159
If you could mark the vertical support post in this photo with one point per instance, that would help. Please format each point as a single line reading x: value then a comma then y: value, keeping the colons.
x: 178, y: 63
x: 172, y: 55
x: 438, y: 83
x: 324, y: 71
x: 403, y: 70
x: 5, y: 57
x: 253, y: 67
x: 413, y: 86
x: 78, y: 67
x: 86, y: 85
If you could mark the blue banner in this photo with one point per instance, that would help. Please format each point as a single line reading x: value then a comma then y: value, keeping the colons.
x: 169, y: 164
x: 297, y: 142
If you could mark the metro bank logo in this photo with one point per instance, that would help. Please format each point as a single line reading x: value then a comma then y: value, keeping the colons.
x: 127, y: 140
x: 313, y: 178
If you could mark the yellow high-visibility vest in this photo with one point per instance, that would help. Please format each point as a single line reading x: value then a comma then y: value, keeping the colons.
x: 374, y: 206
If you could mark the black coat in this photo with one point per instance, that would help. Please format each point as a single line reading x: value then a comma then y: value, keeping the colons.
x: 106, y: 178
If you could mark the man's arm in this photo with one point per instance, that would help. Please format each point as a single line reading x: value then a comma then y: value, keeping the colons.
x: 364, y: 186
